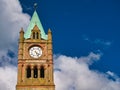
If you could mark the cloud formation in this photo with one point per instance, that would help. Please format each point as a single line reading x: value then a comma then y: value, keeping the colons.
x: 98, y: 41
x: 11, y: 20
x: 75, y: 74
x: 8, y: 78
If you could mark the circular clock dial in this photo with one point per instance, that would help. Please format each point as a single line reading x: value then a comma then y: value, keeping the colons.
x: 35, y: 52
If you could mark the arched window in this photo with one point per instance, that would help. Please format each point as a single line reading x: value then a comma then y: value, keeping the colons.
x: 33, y: 35
x: 37, y: 35
x: 35, y: 72
x: 28, y: 72
x: 42, y: 72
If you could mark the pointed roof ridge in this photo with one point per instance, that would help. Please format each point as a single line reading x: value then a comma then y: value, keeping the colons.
x: 35, y: 27
x: 35, y: 21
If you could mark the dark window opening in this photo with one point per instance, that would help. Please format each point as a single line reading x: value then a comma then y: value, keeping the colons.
x: 33, y: 35
x: 37, y: 35
x: 35, y: 72
x: 28, y: 72
x: 42, y: 74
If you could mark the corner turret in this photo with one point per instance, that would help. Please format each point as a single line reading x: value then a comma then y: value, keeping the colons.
x: 49, y: 35
x: 21, y: 41
x: 21, y: 35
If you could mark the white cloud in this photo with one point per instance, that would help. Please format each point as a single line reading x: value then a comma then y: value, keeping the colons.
x: 74, y: 74
x: 11, y: 20
x: 98, y: 41
x: 113, y: 76
x: 110, y: 73
x: 91, y: 58
x: 102, y: 42
x: 8, y: 78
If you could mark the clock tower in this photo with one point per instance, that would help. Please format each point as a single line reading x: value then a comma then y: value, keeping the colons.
x: 35, y: 58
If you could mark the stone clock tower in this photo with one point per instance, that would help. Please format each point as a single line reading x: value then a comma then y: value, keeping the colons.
x: 35, y: 58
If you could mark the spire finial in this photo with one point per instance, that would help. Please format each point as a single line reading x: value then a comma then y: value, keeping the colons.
x: 35, y: 6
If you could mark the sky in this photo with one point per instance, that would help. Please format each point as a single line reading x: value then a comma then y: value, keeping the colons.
x: 86, y: 42
x: 82, y: 26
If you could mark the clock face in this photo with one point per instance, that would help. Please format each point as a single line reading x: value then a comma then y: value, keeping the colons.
x: 35, y: 52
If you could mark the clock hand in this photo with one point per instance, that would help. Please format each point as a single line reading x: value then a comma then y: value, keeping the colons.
x: 37, y: 53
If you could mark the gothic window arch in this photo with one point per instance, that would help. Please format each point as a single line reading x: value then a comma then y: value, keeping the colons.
x: 35, y: 72
x: 33, y: 35
x: 42, y: 72
x: 37, y: 35
x: 28, y: 72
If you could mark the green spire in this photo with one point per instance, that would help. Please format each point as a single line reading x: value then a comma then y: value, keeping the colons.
x: 35, y: 21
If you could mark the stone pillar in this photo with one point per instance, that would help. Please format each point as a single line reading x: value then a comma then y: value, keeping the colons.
x: 19, y: 73
x: 32, y: 71
x: 50, y: 57
x: 52, y: 72
x: 38, y: 71
x: 23, y: 72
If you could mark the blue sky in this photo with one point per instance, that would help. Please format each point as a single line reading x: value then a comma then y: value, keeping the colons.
x: 82, y: 26
x: 86, y: 42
